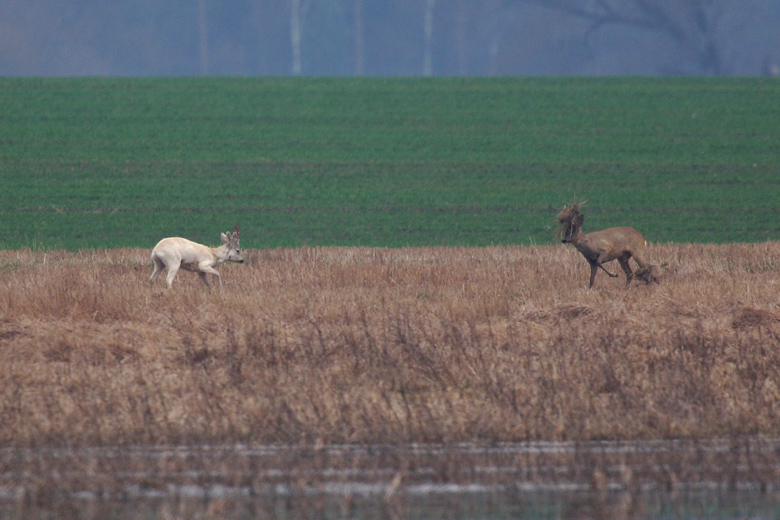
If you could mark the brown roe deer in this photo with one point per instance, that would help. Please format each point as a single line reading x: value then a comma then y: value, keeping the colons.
x: 600, y: 247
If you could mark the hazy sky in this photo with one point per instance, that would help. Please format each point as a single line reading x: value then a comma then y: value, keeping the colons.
x: 388, y: 37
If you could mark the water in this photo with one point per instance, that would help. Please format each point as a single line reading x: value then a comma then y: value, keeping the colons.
x: 727, y: 478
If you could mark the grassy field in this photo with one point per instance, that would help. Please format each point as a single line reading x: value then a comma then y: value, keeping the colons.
x: 384, y: 162
x: 374, y: 345
x: 310, y: 344
x: 119, y: 400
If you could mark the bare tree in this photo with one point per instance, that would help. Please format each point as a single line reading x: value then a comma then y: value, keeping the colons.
x: 203, y: 37
x: 691, y: 24
x: 360, y: 53
x: 461, y: 20
x: 298, y: 10
x: 428, y: 31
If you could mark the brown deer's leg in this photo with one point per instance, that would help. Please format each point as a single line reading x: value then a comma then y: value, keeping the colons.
x: 605, y: 270
x: 594, y: 267
x: 623, y: 261
x: 640, y: 260
x: 600, y: 262
x: 646, y: 272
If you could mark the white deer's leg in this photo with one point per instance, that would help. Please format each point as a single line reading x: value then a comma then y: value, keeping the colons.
x: 210, y: 270
x: 172, y: 270
x: 204, y: 277
x: 158, y: 268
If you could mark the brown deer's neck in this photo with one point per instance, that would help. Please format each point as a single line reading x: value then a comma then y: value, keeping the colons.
x: 580, y: 241
x: 576, y: 237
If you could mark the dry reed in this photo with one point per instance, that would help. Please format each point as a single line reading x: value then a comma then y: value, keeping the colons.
x: 359, y: 345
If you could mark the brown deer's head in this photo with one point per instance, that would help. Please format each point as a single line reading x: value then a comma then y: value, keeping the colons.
x: 570, y: 221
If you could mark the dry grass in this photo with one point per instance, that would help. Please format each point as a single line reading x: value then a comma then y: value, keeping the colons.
x: 568, y: 214
x: 388, y: 346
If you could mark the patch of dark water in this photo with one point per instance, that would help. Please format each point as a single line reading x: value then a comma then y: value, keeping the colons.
x: 436, y: 506
x: 724, y: 478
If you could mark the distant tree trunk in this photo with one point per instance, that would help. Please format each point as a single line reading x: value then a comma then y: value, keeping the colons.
x: 771, y: 67
x: 428, y: 29
x: 295, y: 36
x: 493, y: 53
x: 462, y: 43
x: 203, y: 37
x: 360, y: 57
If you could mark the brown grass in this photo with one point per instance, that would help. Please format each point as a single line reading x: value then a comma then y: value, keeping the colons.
x: 388, y: 346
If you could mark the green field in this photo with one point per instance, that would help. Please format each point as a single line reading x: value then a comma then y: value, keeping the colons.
x: 98, y: 162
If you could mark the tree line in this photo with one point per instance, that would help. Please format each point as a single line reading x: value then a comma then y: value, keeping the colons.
x: 390, y: 37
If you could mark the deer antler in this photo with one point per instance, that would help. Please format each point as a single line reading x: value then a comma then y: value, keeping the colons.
x: 235, y: 230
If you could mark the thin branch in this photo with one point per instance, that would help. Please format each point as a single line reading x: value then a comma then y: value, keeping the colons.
x: 649, y: 15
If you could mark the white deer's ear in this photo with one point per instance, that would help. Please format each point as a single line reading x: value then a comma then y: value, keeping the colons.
x: 225, y: 239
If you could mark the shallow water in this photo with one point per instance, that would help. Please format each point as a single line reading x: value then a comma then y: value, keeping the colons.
x: 727, y: 478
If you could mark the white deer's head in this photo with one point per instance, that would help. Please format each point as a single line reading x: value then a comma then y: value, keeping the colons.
x: 232, y: 246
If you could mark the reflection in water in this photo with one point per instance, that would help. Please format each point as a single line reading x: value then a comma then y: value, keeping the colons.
x: 730, y: 478
x: 451, y: 506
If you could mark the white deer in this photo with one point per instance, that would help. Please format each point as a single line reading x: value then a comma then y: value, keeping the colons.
x: 175, y: 252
